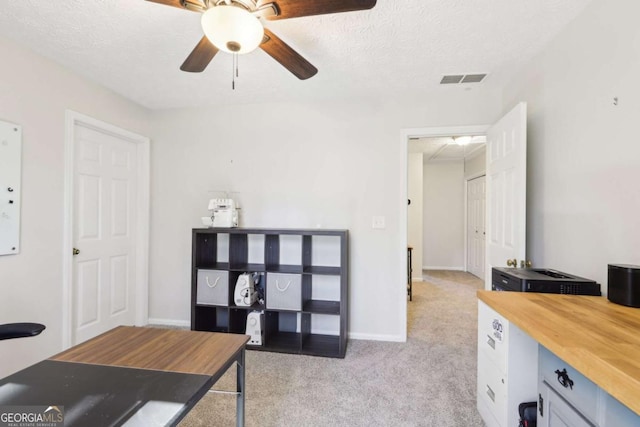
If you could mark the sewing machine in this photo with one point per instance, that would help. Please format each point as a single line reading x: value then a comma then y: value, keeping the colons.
x: 224, y: 213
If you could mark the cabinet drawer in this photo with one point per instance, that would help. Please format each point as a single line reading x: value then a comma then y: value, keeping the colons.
x: 213, y: 287
x: 492, y: 388
x: 558, y: 412
x: 493, y: 335
x: 574, y: 387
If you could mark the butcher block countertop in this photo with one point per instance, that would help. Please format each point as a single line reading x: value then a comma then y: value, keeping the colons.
x: 597, y: 337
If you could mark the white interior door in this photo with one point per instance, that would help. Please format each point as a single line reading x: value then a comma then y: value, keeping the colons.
x: 506, y: 190
x: 104, y: 232
x: 476, y: 226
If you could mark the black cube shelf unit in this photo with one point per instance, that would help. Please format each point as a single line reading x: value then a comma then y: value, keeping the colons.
x: 316, y: 260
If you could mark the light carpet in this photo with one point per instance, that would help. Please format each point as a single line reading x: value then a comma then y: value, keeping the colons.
x: 428, y: 381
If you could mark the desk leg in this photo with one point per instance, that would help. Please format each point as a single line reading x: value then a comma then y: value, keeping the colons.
x: 240, y: 384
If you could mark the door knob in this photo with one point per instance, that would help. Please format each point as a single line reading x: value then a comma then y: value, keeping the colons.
x: 525, y: 264
x: 76, y: 251
x: 512, y: 262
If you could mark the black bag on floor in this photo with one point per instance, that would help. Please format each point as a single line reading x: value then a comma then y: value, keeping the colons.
x: 528, y: 414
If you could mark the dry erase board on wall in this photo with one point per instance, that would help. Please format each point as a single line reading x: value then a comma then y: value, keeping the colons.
x: 10, y: 175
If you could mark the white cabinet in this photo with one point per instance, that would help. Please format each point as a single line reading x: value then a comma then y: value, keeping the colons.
x: 507, y: 368
x: 559, y: 382
x: 570, y: 399
x: 590, y: 332
x: 558, y: 412
x: 615, y: 414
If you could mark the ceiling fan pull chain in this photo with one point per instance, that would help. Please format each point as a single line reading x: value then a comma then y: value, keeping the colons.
x: 233, y: 73
x: 234, y: 70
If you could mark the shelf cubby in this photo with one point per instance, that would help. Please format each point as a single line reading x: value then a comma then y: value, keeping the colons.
x: 321, y: 345
x: 237, y: 321
x: 208, y: 318
x: 321, y: 307
x: 281, y: 331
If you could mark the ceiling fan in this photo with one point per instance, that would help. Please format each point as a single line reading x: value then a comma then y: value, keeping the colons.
x: 235, y: 26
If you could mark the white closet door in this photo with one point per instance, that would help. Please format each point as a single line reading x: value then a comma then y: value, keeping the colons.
x: 104, y: 212
x: 476, y: 226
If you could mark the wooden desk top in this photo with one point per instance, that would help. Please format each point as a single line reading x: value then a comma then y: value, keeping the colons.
x: 598, y: 338
x: 172, y: 350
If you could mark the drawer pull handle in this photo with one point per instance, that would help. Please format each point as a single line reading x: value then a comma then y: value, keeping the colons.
x: 491, y: 342
x: 214, y: 283
x: 491, y: 394
x: 563, y: 379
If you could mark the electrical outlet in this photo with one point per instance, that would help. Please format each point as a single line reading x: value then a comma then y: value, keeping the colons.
x: 378, y: 222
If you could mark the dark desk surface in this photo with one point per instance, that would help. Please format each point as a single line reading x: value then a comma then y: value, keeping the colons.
x: 127, y: 376
x: 96, y: 395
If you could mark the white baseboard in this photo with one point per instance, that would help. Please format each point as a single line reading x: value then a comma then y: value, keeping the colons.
x: 375, y: 337
x: 352, y: 335
x: 417, y: 279
x: 431, y: 267
x: 169, y: 322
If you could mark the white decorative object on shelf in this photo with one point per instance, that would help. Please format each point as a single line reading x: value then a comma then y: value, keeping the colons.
x: 224, y: 213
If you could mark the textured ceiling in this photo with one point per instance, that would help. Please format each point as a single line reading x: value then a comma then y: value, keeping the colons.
x: 399, y: 49
x: 445, y: 149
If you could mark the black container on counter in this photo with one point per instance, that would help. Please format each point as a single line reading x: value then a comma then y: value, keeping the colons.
x: 624, y: 284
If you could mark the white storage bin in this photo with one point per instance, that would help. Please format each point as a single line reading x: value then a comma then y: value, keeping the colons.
x: 213, y: 287
x: 284, y: 291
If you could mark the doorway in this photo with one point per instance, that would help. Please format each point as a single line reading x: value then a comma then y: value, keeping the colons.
x: 105, y: 251
x: 406, y: 136
x: 505, y: 190
x: 438, y: 172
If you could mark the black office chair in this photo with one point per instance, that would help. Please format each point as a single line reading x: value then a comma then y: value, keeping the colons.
x: 20, y: 330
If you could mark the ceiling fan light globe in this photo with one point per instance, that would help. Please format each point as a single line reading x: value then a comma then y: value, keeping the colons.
x: 232, y: 29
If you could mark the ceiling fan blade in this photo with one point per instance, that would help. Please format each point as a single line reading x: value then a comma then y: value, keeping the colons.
x: 285, y: 55
x: 174, y: 3
x: 297, y: 8
x: 200, y: 56
x: 193, y: 5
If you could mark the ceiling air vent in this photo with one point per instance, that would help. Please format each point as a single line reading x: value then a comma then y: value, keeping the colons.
x: 462, y: 78
x: 446, y: 80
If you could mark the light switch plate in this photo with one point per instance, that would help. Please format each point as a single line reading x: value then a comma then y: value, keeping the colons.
x: 378, y: 222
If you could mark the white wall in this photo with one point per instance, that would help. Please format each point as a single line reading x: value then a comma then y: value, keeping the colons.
x: 476, y: 166
x: 584, y: 152
x: 296, y: 165
x: 443, y: 241
x: 414, y: 212
x: 35, y: 93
